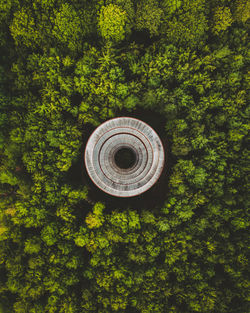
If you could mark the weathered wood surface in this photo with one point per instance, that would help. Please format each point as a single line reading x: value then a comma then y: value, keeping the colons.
x: 115, y: 134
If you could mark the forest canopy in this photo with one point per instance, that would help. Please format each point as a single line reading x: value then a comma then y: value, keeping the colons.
x: 66, y: 66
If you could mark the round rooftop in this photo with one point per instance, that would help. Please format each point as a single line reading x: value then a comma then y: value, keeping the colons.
x: 124, y: 157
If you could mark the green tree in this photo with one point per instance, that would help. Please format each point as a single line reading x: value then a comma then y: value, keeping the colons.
x: 188, y: 25
x: 148, y: 16
x: 67, y: 27
x: 23, y: 28
x: 113, y: 23
x: 222, y: 19
x: 241, y: 11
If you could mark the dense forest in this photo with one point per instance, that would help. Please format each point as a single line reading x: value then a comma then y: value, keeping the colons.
x: 66, y: 66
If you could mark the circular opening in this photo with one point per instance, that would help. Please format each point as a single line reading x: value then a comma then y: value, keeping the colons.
x: 125, y: 158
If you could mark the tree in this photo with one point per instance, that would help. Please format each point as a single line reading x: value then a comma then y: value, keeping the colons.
x: 148, y: 16
x: 241, y: 11
x: 67, y: 27
x: 222, y: 19
x: 23, y: 28
x: 188, y: 25
x: 113, y: 23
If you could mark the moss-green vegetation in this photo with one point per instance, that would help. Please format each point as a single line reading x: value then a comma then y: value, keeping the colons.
x: 67, y: 66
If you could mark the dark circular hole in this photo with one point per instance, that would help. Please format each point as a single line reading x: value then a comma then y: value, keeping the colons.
x: 125, y: 158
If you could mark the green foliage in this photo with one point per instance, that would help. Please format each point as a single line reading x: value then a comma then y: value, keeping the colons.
x: 95, y: 219
x: 113, y: 23
x: 188, y: 26
x: 7, y: 177
x: 49, y: 234
x: 5, y: 16
x: 170, y: 6
x: 65, y: 247
x: 148, y: 16
x: 72, y: 24
x: 32, y: 246
x: 222, y: 19
x: 5, y: 8
x: 242, y: 11
x: 23, y: 28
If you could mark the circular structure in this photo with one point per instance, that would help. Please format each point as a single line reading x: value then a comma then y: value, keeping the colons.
x: 124, y: 157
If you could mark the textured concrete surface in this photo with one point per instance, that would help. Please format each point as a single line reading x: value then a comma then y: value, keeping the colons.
x: 113, y: 135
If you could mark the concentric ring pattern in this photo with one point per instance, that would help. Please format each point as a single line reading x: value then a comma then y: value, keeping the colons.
x: 124, y: 133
